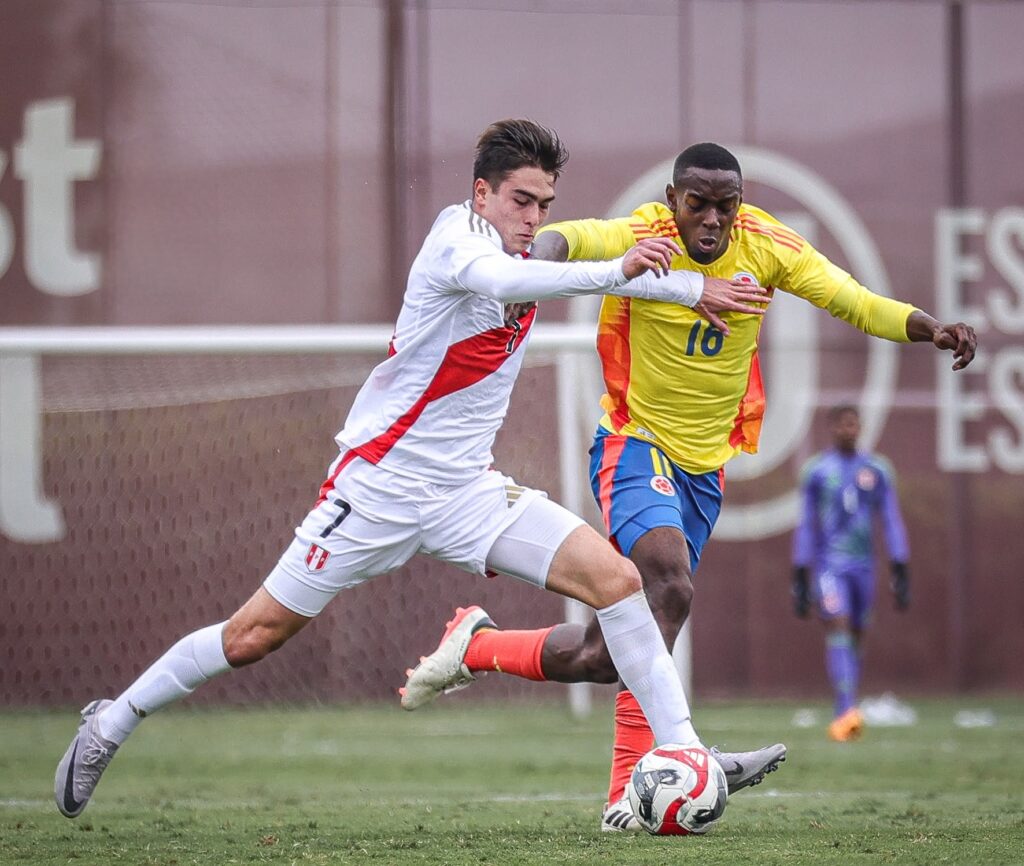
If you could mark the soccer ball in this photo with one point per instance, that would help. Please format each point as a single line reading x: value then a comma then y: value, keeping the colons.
x: 677, y: 790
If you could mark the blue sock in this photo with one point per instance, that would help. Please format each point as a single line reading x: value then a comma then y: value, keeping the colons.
x: 841, y: 663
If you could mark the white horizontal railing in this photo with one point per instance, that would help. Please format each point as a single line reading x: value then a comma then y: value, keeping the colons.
x: 28, y: 516
x: 256, y: 339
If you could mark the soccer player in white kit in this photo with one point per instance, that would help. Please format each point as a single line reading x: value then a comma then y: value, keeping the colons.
x: 413, y: 473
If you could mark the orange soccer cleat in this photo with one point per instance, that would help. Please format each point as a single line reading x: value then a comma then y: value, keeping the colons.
x: 848, y: 726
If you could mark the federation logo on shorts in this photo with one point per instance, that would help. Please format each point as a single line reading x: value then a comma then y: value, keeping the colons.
x: 660, y: 484
x: 316, y: 558
x: 831, y: 600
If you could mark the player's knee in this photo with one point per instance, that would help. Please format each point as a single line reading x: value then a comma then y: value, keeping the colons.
x: 669, y: 588
x: 671, y: 600
x: 621, y: 581
x: 838, y: 626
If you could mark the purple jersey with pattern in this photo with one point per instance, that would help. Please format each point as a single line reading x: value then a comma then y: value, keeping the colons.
x: 842, y: 495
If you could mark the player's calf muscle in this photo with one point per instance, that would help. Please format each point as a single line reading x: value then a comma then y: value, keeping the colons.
x: 249, y: 647
x: 260, y: 627
x: 574, y: 654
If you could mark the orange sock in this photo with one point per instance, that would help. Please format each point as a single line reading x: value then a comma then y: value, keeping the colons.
x: 508, y: 652
x: 633, y: 740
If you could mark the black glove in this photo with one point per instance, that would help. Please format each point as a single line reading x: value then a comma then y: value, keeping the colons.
x: 899, y: 583
x: 801, y: 592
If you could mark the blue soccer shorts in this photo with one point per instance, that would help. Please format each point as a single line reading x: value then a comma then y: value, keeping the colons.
x: 638, y: 489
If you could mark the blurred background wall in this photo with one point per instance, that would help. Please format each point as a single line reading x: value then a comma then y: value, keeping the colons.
x: 185, y: 162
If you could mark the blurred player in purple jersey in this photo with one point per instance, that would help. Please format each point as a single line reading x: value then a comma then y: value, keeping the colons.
x: 843, y: 491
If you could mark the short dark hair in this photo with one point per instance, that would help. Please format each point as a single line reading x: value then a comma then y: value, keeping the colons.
x: 510, y: 144
x: 838, y: 411
x: 707, y: 155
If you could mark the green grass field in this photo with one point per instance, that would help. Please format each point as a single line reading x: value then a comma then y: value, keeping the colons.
x: 505, y: 784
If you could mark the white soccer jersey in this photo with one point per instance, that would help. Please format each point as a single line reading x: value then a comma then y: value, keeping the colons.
x: 433, y: 408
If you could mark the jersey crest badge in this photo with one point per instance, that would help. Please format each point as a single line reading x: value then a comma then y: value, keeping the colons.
x: 660, y: 484
x: 745, y: 277
x: 316, y: 558
x: 866, y: 478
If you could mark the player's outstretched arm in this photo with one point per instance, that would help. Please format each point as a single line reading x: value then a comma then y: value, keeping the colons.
x: 643, y: 272
x: 649, y: 254
x: 718, y: 296
x: 648, y: 265
x: 958, y: 337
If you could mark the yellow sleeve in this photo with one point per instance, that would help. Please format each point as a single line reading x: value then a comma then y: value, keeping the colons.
x: 595, y: 240
x: 814, y: 278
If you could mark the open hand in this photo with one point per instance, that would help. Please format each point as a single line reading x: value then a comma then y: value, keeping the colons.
x: 650, y: 254
x: 720, y: 296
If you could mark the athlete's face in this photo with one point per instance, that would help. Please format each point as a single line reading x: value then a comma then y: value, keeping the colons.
x: 846, y: 431
x: 518, y: 207
x: 705, y: 203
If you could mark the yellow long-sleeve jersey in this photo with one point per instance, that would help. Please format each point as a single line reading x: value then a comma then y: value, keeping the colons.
x: 674, y: 380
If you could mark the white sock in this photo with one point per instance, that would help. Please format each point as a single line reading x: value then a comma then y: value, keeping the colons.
x: 188, y: 664
x: 645, y: 666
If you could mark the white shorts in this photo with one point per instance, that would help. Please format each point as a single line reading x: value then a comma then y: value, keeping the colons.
x: 373, y: 521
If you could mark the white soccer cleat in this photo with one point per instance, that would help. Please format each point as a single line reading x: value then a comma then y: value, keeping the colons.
x: 618, y: 817
x: 444, y: 670
x: 83, y: 763
x: 743, y: 769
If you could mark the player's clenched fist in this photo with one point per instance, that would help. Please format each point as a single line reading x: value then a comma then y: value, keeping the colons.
x: 650, y: 254
x: 961, y: 340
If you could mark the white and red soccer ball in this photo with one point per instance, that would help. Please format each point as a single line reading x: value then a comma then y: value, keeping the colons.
x: 677, y: 790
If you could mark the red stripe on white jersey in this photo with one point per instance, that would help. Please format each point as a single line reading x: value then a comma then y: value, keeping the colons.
x: 464, y: 364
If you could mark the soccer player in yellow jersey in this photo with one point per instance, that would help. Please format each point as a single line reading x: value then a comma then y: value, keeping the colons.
x: 684, y: 396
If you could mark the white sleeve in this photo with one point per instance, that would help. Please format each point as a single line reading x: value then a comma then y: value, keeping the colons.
x: 511, y: 280
x: 675, y: 287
